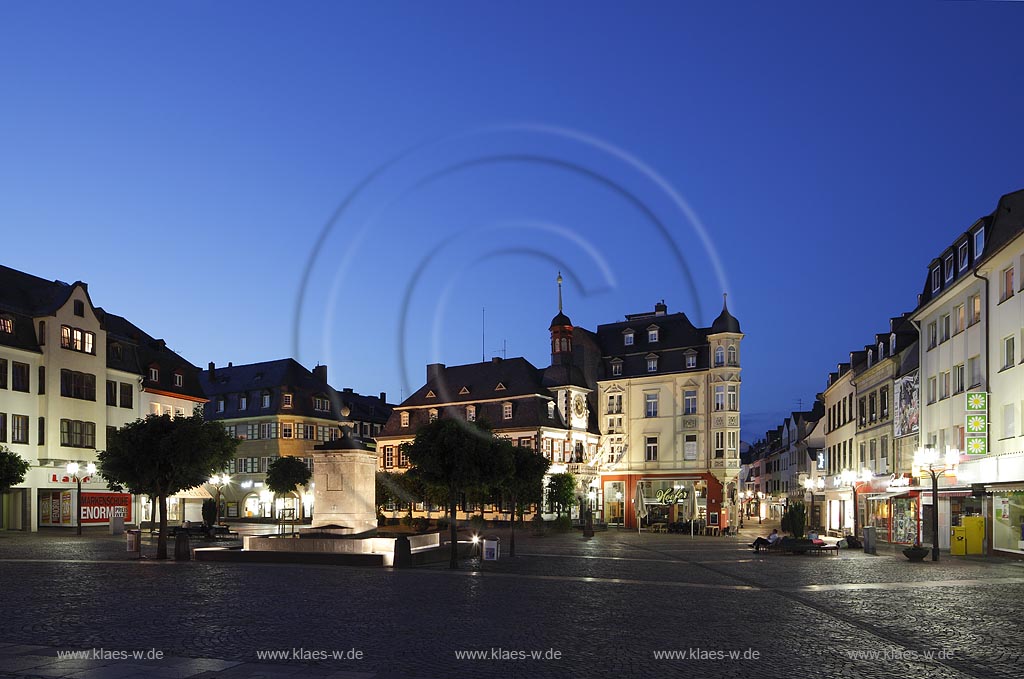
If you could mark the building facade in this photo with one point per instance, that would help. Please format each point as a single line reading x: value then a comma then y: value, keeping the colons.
x: 70, y: 372
x: 277, y: 409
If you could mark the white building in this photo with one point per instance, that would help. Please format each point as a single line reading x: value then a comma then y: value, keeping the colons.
x: 69, y: 373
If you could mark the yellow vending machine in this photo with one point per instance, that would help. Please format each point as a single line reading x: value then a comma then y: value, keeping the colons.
x: 974, y: 533
x: 958, y: 543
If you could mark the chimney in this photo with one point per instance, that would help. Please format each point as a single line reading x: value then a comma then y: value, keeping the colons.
x: 230, y: 365
x: 320, y: 373
x: 434, y: 370
x: 347, y: 390
x: 213, y: 371
x: 383, y: 397
x: 496, y: 359
x: 660, y: 309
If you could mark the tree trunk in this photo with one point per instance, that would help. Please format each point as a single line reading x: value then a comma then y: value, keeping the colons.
x: 453, y: 534
x: 512, y: 528
x: 161, y: 541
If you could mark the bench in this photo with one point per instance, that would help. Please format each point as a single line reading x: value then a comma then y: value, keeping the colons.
x: 818, y: 549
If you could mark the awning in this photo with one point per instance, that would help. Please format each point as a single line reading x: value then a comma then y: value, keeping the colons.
x: 197, y: 493
x: 883, y: 496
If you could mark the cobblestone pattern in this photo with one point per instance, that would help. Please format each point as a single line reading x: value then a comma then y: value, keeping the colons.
x: 606, y: 604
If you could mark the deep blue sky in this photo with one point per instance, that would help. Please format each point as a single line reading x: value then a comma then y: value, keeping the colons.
x: 183, y: 160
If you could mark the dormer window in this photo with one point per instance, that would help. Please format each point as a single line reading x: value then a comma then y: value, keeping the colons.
x: 652, y: 334
x: 7, y: 324
x: 220, y: 405
x: 154, y: 374
x: 116, y: 351
x: 321, y: 403
x: 979, y: 243
x: 892, y: 344
x: 962, y: 257
x: 652, y: 363
x: 616, y: 367
x: 871, y: 357
x: 178, y: 379
x: 691, y: 359
x: 470, y: 413
x: 551, y: 410
x: 243, y: 402
x: 936, y: 279
x: 265, y: 399
x: 949, y: 268
x: 433, y: 415
x: 627, y: 338
x: 719, y: 357
x: 881, y: 350
x: 506, y: 411
x: 286, y: 401
x: 404, y: 418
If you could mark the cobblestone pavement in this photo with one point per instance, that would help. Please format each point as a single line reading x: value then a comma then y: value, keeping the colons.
x: 611, y: 606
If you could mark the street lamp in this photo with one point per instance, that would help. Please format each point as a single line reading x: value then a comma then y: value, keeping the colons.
x: 929, y: 460
x: 73, y: 469
x: 760, y: 511
x: 622, y: 509
x: 219, y: 481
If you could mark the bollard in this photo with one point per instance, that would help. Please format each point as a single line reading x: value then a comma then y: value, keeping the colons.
x: 182, y: 547
x: 403, y: 552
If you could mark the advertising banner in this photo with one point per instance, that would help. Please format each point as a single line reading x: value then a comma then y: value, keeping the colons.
x: 908, y: 410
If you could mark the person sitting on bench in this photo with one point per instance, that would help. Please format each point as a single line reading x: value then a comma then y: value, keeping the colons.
x: 762, y: 542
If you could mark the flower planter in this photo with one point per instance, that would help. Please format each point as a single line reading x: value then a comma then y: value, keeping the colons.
x: 915, y: 553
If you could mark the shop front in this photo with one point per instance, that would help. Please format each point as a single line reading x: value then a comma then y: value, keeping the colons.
x: 667, y: 499
x: 59, y: 504
x: 896, y: 516
x: 1008, y: 519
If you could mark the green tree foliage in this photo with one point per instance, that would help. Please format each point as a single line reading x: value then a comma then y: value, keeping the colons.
x: 12, y: 469
x: 524, y: 486
x: 454, y: 457
x: 562, y: 492
x: 160, y: 456
x: 794, y: 519
x: 285, y: 474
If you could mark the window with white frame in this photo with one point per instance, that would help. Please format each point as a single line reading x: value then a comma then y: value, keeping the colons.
x: 973, y: 309
x: 719, y: 444
x: 506, y: 411
x: 962, y: 255
x: 243, y: 402
x: 616, y: 368
x: 178, y: 379
x: 974, y: 370
x: 732, y: 397
x: 551, y: 410
x: 944, y: 384
x: 154, y: 375
x: 733, y: 439
x: 932, y: 389
x: 936, y: 279
x: 402, y: 461
x: 719, y: 356
x: 652, y: 334
x: 949, y: 268
x: 651, y: 404
x: 1008, y: 352
x: 615, y: 425
x: 720, y: 397
x: 943, y: 327
x: 933, y: 334
x: 471, y: 413
x: 286, y: 402
x: 268, y: 430
x: 627, y: 338
x: 652, y: 364
x: 958, y: 378
x: 7, y: 324
x: 614, y: 403
x: 733, y: 355
x: 959, y: 319
x: 265, y: 399
x: 651, y: 448
x: 404, y: 418
x: 1009, y: 427
x: 690, y: 402
x: 979, y: 243
x: 1006, y: 290
x: 287, y: 430
x: 432, y: 415
x: 892, y: 344
x: 389, y: 456
x: 691, y: 360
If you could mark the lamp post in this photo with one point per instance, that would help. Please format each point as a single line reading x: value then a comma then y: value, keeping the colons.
x: 760, y: 511
x: 622, y: 509
x: 219, y: 481
x: 73, y: 469
x: 927, y: 459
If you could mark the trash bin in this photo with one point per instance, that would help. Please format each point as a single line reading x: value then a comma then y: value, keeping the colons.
x: 182, y: 546
x: 958, y: 542
x: 869, y: 540
x: 491, y: 549
x: 133, y: 540
x: 403, y: 552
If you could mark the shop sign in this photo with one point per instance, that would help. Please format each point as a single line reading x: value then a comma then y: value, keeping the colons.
x: 897, y: 482
x: 976, y: 436
x: 101, y: 507
x: 671, y: 496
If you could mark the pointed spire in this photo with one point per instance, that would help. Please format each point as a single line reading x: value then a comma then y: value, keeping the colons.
x: 725, y: 301
x: 559, y: 291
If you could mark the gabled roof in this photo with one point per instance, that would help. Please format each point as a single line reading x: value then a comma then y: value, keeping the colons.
x: 518, y: 376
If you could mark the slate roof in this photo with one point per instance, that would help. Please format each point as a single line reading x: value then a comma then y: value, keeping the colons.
x: 282, y: 376
x: 675, y: 332
x: 1004, y: 224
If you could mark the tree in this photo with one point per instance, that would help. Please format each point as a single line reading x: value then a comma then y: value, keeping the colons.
x: 454, y: 457
x: 285, y: 474
x: 562, y: 491
x: 159, y: 456
x: 12, y: 469
x: 794, y: 518
x: 525, y: 485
